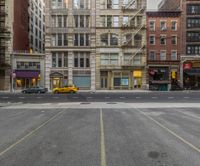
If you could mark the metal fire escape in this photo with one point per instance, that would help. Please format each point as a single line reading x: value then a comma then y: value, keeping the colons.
x: 138, y: 10
x: 4, y: 35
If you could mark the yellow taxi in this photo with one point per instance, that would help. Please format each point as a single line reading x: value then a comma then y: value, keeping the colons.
x: 66, y: 89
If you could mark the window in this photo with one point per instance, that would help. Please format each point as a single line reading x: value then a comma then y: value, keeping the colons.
x: 81, y: 40
x: 137, y: 59
x: 115, y: 21
x: 81, y: 21
x: 109, y: 21
x: 152, y: 39
x: 109, y: 4
x: 125, y: 20
x: 193, y: 36
x: 109, y: 39
x: 174, y: 25
x: 163, y: 55
x: 60, y: 59
x: 109, y: 59
x: 152, y: 55
x: 193, y: 49
x: 193, y: 9
x: 174, y: 55
x: 163, y: 25
x: 193, y: 22
x: 163, y: 40
x: 81, y: 4
x: 174, y: 40
x: 57, y: 4
x: 81, y: 59
x: 59, y: 39
x: 152, y: 25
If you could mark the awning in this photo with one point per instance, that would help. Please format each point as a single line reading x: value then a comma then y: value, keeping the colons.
x: 193, y: 72
x: 27, y: 74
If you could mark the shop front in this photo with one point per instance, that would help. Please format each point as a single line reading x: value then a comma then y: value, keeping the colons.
x: 191, y: 75
x: 121, y: 80
x: 159, y: 78
x: 26, y: 79
x: 56, y: 80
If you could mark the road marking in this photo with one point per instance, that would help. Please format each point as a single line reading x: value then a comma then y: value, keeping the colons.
x: 154, y: 97
x: 39, y: 97
x: 89, y: 97
x: 188, y: 114
x: 4, y: 97
x: 186, y: 97
x: 29, y: 134
x: 107, y: 97
x: 170, y: 131
x: 138, y: 97
x: 170, y: 97
x: 122, y: 97
x: 21, y: 97
x: 55, y: 97
x: 75, y: 97
x: 103, y: 149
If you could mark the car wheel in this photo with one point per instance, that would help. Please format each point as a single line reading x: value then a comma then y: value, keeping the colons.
x: 56, y: 92
x: 39, y: 92
x: 23, y: 92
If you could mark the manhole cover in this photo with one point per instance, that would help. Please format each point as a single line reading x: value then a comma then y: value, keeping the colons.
x: 85, y: 103
x: 111, y: 103
x: 153, y: 154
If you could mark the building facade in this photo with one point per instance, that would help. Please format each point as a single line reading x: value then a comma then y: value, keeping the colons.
x: 28, y: 70
x: 190, y: 59
x: 120, y: 44
x: 37, y: 25
x: 6, y: 42
x: 96, y: 44
x: 163, y: 49
x: 70, y: 43
x: 15, y: 31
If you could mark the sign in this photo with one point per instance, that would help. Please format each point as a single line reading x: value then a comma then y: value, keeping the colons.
x: 13, y: 75
x: 137, y: 74
x: 187, y: 66
x: 173, y: 74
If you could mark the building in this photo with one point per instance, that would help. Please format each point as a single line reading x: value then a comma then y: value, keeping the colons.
x: 28, y: 70
x: 169, y: 5
x: 163, y: 49
x: 190, y: 59
x: 96, y: 44
x: 120, y: 45
x: 14, y: 35
x: 37, y: 25
x: 70, y: 43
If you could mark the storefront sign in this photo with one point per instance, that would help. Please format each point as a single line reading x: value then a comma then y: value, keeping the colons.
x: 187, y: 66
x: 137, y: 74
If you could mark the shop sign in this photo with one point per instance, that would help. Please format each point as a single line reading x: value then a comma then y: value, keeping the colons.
x: 174, y: 74
x: 196, y: 64
x: 137, y: 74
x: 187, y: 66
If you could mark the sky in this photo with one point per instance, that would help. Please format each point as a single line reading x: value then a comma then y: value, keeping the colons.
x: 152, y: 4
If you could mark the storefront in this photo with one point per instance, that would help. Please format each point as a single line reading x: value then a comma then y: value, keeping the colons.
x: 121, y: 79
x: 56, y: 80
x: 26, y: 79
x: 191, y: 75
x: 82, y: 79
x: 159, y: 78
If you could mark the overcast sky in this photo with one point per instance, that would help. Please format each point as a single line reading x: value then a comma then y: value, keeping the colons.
x: 152, y: 4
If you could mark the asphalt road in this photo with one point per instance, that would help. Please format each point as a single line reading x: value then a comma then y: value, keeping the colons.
x: 135, y: 97
x: 100, y: 137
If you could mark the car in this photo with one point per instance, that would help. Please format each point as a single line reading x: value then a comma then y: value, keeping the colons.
x: 66, y: 89
x: 35, y: 90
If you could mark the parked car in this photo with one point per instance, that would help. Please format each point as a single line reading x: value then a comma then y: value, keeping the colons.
x: 35, y: 90
x: 66, y: 89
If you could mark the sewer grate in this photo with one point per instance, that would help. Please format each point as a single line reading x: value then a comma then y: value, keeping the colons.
x: 111, y: 103
x: 85, y: 103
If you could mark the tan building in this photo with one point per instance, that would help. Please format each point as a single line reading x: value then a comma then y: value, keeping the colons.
x: 96, y: 44
x: 120, y: 44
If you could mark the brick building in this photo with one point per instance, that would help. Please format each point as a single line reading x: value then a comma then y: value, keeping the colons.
x: 190, y: 59
x: 163, y: 49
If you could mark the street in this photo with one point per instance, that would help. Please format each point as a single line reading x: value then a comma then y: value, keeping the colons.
x: 134, y: 97
x: 111, y: 133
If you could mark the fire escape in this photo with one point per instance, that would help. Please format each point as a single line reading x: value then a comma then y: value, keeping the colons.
x: 4, y: 36
x: 133, y: 29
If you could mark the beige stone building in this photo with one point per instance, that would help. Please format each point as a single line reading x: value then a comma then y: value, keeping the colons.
x: 96, y: 44
x: 120, y: 44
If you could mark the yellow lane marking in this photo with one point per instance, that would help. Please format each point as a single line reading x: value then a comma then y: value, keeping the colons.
x: 29, y: 134
x: 103, y: 151
x: 171, y: 132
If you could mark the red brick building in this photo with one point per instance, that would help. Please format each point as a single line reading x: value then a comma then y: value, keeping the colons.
x: 163, y: 49
x: 20, y: 25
